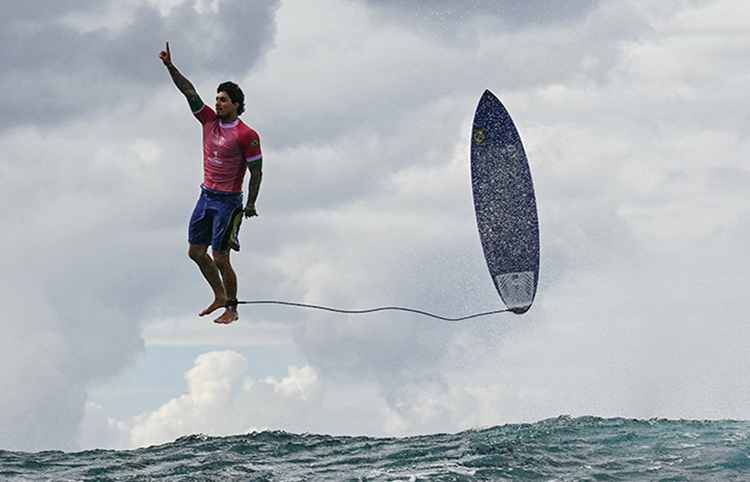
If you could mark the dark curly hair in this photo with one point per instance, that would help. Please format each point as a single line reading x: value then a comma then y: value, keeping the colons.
x: 235, y: 93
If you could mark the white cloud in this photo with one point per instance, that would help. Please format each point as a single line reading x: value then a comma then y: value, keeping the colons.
x: 220, y: 400
x: 301, y: 382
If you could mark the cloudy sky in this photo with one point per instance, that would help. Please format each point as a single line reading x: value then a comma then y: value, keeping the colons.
x: 635, y: 115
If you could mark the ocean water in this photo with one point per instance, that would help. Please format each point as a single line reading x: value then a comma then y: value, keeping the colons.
x: 561, y: 449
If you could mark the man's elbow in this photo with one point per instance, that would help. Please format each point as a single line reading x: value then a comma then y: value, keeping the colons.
x: 192, y: 96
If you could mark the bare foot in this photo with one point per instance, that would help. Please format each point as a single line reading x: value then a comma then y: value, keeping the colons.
x: 227, y: 317
x: 218, y: 303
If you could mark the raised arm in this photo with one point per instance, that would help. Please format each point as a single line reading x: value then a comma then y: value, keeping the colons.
x: 183, y: 84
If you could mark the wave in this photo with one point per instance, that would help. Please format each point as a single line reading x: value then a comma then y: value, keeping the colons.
x: 563, y: 448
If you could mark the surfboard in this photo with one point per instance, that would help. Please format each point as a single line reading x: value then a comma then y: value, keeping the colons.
x: 505, y: 204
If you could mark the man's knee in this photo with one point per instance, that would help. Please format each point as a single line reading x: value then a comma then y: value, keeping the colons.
x: 197, y: 252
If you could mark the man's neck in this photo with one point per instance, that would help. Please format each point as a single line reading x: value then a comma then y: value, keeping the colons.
x: 229, y: 119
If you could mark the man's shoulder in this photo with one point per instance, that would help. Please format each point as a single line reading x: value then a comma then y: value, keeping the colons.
x: 246, y: 131
x: 205, y: 114
x: 244, y: 126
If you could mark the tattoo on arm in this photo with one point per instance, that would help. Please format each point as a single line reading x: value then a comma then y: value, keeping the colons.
x: 253, y: 188
x: 180, y: 81
x: 184, y: 85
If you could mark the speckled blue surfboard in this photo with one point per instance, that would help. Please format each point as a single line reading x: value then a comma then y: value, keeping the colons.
x: 505, y: 204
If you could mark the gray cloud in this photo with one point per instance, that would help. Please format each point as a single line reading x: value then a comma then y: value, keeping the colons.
x: 455, y: 22
x: 512, y: 12
x: 71, y: 73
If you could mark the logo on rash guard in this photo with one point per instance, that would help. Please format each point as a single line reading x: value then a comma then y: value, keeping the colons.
x: 214, y: 160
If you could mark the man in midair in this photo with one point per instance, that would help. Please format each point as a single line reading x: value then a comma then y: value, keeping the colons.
x: 229, y: 148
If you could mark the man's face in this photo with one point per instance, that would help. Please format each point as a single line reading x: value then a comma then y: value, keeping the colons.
x: 225, y: 109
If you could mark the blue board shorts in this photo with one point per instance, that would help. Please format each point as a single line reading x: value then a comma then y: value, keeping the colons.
x: 216, y: 220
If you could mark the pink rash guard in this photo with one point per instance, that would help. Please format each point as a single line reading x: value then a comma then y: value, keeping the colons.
x: 227, y: 149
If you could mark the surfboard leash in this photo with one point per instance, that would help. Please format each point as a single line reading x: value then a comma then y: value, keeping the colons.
x: 364, y: 311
